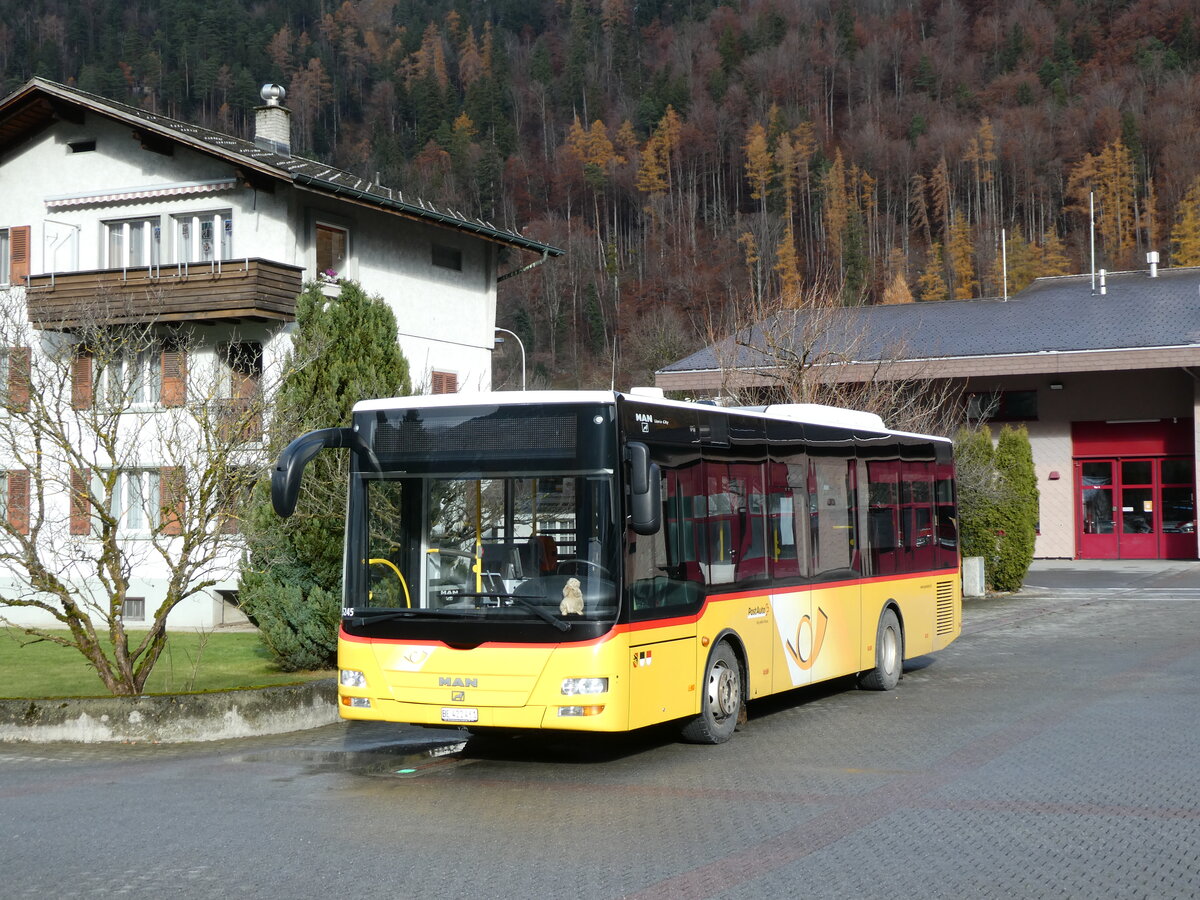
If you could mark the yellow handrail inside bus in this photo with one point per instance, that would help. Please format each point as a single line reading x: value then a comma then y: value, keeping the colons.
x: 477, y: 567
x: 391, y: 565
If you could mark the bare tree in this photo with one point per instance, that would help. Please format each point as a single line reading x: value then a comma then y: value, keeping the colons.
x: 811, y: 349
x: 128, y: 450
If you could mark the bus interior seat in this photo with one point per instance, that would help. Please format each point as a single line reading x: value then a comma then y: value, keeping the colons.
x: 544, y: 554
x: 504, y: 559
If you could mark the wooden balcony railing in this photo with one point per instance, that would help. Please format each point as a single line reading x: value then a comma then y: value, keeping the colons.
x: 256, y: 289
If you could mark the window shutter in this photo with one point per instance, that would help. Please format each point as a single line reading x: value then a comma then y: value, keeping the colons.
x: 81, y: 381
x: 171, y: 499
x: 18, y: 501
x: 18, y: 254
x: 18, y: 379
x: 174, y: 377
x: 443, y: 382
x: 81, y: 505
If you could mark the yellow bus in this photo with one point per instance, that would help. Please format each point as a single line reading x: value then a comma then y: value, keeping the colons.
x: 597, y: 561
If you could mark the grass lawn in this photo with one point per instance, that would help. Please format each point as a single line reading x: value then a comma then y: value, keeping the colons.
x: 190, y: 662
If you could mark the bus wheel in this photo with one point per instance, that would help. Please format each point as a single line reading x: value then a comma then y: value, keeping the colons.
x: 889, y: 655
x: 721, y: 701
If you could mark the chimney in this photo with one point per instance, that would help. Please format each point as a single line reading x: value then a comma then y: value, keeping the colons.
x: 1152, y: 259
x: 273, y: 121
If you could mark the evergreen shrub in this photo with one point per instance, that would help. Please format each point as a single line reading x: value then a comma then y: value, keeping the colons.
x: 345, y: 349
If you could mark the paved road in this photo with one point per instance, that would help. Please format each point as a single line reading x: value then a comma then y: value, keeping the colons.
x: 1050, y: 752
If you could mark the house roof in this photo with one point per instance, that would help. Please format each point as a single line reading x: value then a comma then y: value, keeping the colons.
x: 39, y: 103
x: 1052, y: 316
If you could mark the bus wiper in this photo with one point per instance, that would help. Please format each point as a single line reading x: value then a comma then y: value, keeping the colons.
x: 524, y: 604
x: 383, y: 615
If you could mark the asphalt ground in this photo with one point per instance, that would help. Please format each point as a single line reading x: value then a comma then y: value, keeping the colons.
x: 1049, y: 752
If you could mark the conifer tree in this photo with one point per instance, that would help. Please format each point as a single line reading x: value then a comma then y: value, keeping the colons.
x: 1185, y: 236
x: 932, y: 283
x: 1019, y: 509
x: 975, y: 465
x: 1054, y: 255
x: 1022, y: 259
x: 345, y: 349
x: 966, y: 285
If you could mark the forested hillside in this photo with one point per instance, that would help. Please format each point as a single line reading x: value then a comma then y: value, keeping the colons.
x: 700, y: 160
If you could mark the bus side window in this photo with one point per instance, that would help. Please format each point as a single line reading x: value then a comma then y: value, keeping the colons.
x: 947, y: 516
x: 786, y: 503
x: 832, y: 514
x: 882, y: 515
x: 917, y: 523
x: 662, y: 569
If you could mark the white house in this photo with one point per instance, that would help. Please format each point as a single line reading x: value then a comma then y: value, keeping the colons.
x: 114, y: 216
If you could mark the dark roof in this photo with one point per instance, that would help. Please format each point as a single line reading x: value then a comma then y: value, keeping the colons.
x: 39, y: 103
x: 1052, y: 315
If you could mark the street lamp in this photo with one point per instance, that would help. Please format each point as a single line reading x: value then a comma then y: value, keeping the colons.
x: 520, y: 344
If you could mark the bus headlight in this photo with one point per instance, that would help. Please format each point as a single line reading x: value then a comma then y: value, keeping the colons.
x: 573, y: 686
x: 352, y: 678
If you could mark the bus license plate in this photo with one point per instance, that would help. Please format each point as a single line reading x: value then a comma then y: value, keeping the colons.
x: 459, y: 714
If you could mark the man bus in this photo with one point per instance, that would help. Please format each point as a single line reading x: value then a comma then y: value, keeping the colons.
x: 595, y: 561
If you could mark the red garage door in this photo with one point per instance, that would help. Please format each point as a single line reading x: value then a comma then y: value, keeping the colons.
x: 1135, y: 490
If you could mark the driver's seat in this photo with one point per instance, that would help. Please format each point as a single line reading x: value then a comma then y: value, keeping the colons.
x: 545, y: 553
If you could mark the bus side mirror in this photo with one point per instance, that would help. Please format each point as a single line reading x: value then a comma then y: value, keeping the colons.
x: 289, y: 469
x: 645, y: 491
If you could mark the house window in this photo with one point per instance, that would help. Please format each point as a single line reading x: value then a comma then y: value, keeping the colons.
x: 234, y: 494
x: 134, y: 609
x: 447, y: 257
x: 241, y: 369
x: 204, y: 237
x: 443, y: 382
x: 4, y: 253
x: 132, y: 377
x: 332, y: 246
x: 1002, y: 406
x: 239, y: 374
x: 132, y: 243
x: 135, y: 501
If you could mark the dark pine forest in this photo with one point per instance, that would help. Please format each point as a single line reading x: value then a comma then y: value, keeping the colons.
x: 701, y: 162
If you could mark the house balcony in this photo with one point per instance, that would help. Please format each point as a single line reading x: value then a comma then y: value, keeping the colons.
x: 227, y: 290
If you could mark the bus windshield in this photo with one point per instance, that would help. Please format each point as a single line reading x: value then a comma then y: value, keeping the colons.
x: 510, y: 547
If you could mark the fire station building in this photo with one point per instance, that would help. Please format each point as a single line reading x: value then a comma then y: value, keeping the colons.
x: 1104, y: 372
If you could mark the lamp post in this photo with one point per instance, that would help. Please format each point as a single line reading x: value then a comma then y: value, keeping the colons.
x: 520, y: 344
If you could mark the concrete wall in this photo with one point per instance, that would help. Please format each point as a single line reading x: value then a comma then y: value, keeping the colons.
x: 213, y: 716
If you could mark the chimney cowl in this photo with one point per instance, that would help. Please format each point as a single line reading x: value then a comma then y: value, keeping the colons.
x: 273, y: 121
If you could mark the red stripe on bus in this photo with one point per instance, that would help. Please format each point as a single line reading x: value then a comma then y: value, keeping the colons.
x: 651, y: 624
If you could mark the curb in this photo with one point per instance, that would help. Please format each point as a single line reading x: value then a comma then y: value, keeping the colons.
x: 171, y: 718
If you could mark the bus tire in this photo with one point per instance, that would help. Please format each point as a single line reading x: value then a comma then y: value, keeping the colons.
x: 721, y: 701
x: 889, y: 655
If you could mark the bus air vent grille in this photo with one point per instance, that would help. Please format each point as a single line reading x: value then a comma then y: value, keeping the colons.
x: 945, y: 607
